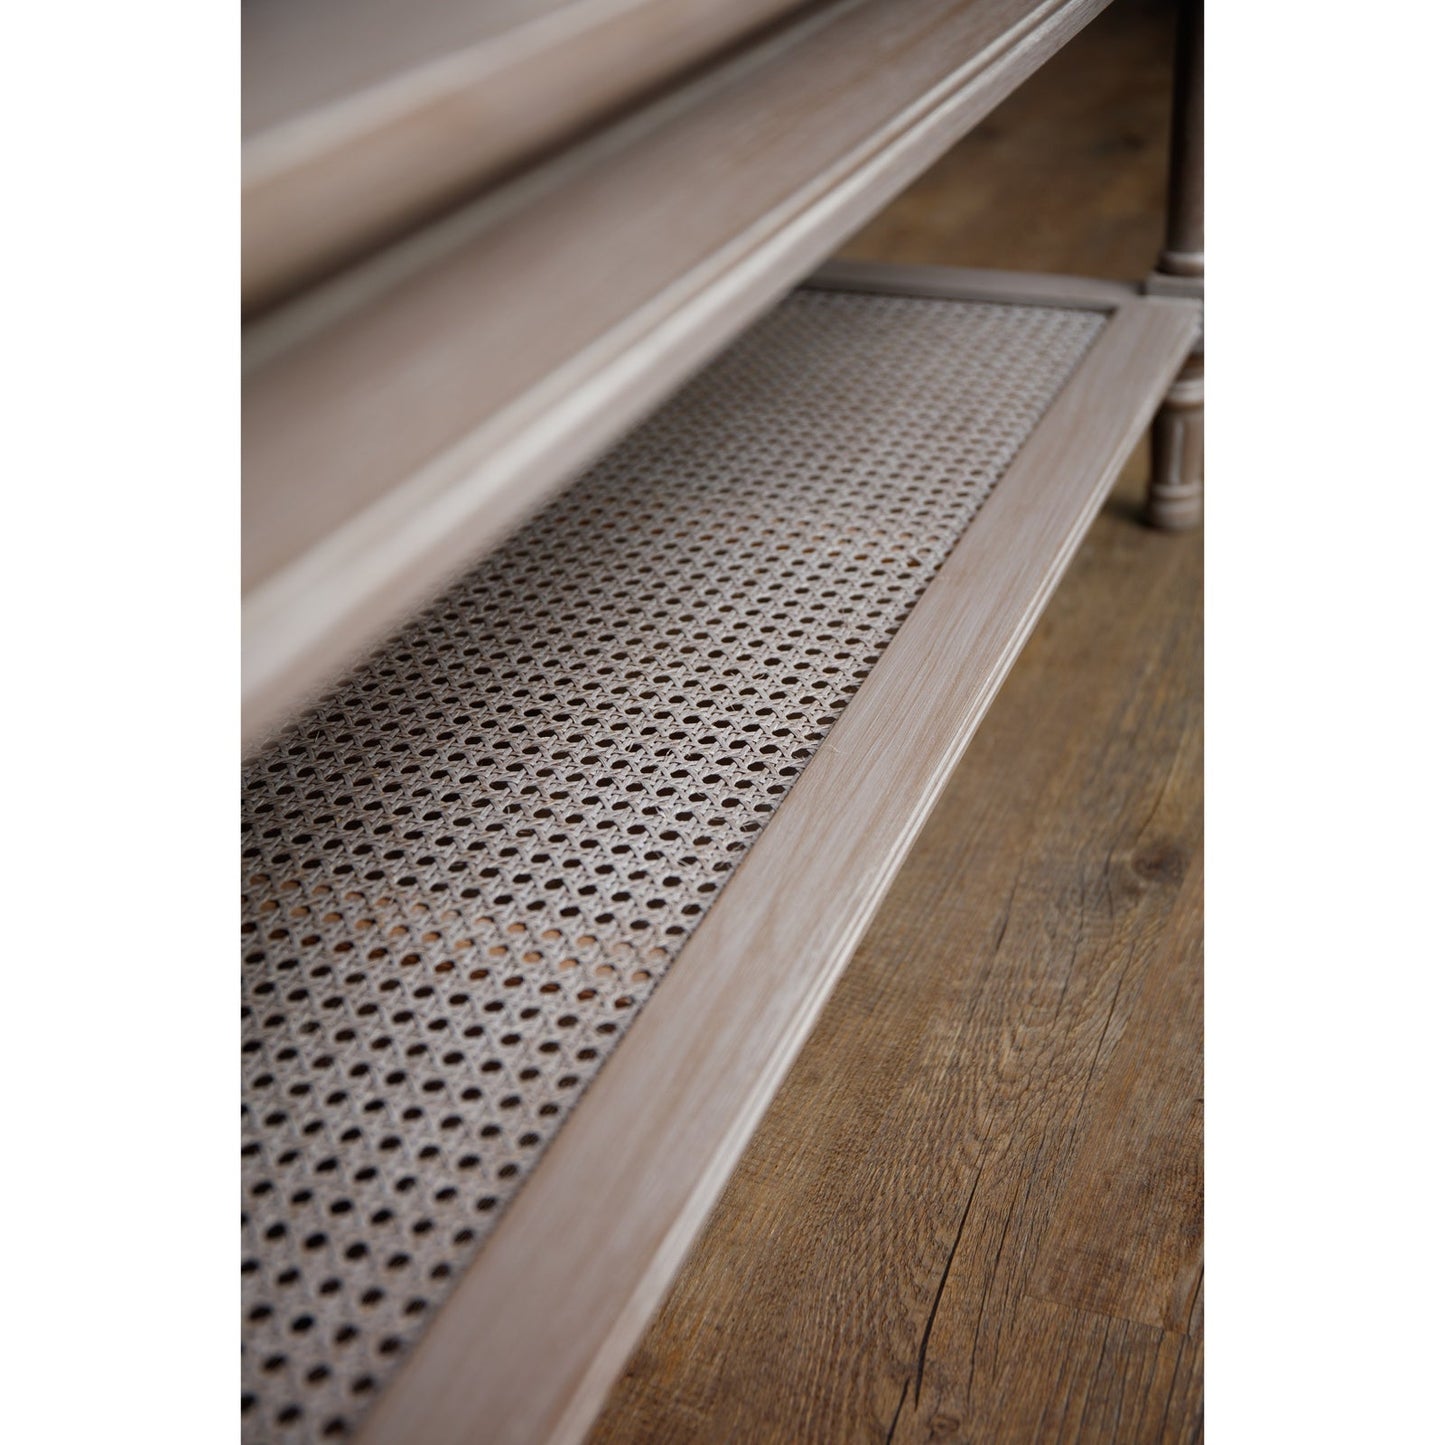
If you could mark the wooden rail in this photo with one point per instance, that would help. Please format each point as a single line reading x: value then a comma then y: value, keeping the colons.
x: 404, y: 418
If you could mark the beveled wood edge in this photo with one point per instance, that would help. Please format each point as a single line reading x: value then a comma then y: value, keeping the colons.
x: 528, y: 1345
x: 1010, y: 288
x: 1160, y: 283
x: 302, y: 626
x: 325, y: 181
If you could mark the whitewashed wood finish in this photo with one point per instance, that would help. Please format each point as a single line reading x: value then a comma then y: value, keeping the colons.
x: 960, y: 283
x: 402, y: 421
x: 528, y: 1345
x: 360, y: 115
x: 1176, y: 479
x: 1157, y: 283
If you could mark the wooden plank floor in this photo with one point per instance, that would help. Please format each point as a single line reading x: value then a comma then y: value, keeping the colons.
x: 974, y: 1210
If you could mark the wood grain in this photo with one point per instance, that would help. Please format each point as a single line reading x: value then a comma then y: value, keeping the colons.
x: 869, y: 1271
x: 398, y: 423
x: 528, y: 1344
x: 1089, y: 1377
x: 1126, y: 1239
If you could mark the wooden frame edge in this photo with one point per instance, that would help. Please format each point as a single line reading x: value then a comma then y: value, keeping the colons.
x: 1010, y: 288
x: 527, y: 1346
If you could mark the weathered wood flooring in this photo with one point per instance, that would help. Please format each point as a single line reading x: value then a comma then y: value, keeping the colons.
x: 974, y: 1210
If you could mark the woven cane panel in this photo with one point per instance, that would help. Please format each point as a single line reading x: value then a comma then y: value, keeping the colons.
x: 465, y: 872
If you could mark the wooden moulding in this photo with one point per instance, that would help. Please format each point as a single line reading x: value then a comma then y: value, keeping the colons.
x: 402, y: 420
x: 1007, y: 288
x: 360, y: 117
x: 529, y: 1343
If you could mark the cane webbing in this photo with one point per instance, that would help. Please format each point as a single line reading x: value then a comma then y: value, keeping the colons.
x: 467, y: 869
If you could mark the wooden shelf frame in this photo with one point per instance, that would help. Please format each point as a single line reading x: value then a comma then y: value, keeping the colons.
x: 531, y: 1339
x: 403, y: 419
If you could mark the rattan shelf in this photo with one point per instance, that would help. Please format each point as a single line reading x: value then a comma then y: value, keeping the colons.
x: 543, y: 900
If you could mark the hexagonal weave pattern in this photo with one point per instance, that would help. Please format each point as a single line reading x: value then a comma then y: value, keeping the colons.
x: 467, y: 869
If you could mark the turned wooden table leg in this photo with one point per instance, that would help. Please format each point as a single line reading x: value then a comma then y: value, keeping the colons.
x: 1176, y: 480
x: 1176, y: 486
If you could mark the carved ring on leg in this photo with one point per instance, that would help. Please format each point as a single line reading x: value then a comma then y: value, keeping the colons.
x: 1176, y: 485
